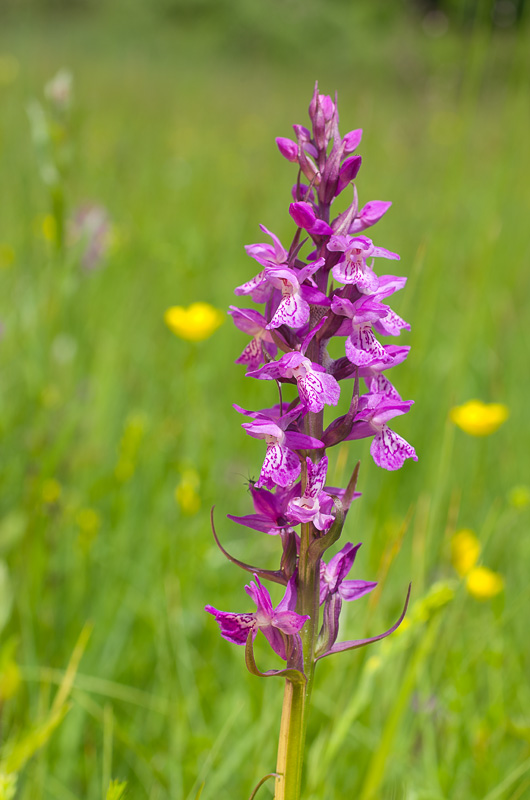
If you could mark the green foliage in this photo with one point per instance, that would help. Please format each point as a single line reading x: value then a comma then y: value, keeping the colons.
x: 104, y: 412
x: 116, y: 790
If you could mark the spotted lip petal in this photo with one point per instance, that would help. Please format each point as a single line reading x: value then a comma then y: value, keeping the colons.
x: 234, y: 627
x: 293, y: 311
x: 281, y: 467
x: 390, y: 451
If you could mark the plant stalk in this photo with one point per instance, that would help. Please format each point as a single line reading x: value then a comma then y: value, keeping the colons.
x: 291, y: 743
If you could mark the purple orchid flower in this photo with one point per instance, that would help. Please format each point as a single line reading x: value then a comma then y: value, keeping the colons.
x: 315, y: 386
x: 334, y: 589
x: 362, y: 348
x: 281, y: 465
x: 289, y: 344
x: 332, y: 576
x: 294, y: 309
x: 352, y: 267
x: 314, y: 505
x: 388, y: 449
x: 250, y: 321
x: 276, y: 624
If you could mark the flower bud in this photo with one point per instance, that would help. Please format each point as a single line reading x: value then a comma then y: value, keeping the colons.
x: 287, y: 148
x: 348, y: 172
x: 322, y: 113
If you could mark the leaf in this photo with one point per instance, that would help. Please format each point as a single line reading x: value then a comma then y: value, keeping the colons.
x: 116, y: 790
x: 12, y: 529
x: 8, y: 786
x: 6, y: 594
x: 17, y: 751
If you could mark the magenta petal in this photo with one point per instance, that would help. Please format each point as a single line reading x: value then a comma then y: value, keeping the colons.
x: 269, y: 372
x: 348, y: 172
x: 251, y: 285
x: 301, y: 441
x: 288, y: 602
x: 339, y: 243
x: 258, y: 522
x: 316, y: 474
x: 320, y: 228
x: 252, y: 355
x: 234, y: 627
x: 303, y: 214
x: 363, y: 349
x: 389, y: 450
x: 247, y: 320
x: 380, y: 384
x: 353, y: 590
x: 347, y: 271
x: 257, y: 591
x: 281, y: 466
x: 318, y: 389
x: 292, y: 311
x: 352, y: 141
x: 289, y: 621
x: 381, y: 252
x: 314, y: 296
x: 391, y: 325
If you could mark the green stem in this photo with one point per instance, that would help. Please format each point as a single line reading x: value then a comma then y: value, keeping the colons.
x: 291, y: 743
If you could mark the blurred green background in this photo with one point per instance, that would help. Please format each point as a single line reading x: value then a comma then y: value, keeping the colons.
x: 117, y: 437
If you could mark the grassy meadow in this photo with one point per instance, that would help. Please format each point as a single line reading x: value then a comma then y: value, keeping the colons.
x: 117, y: 437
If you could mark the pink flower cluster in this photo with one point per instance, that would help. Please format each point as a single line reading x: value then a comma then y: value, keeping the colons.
x: 333, y: 292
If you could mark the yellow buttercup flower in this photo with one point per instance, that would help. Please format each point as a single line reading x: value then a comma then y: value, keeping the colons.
x: 195, y: 323
x: 478, y: 418
x: 465, y: 551
x: 482, y: 583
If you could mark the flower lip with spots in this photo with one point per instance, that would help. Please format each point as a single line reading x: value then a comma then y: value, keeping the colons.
x: 352, y: 267
x: 315, y: 386
x: 388, y: 449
